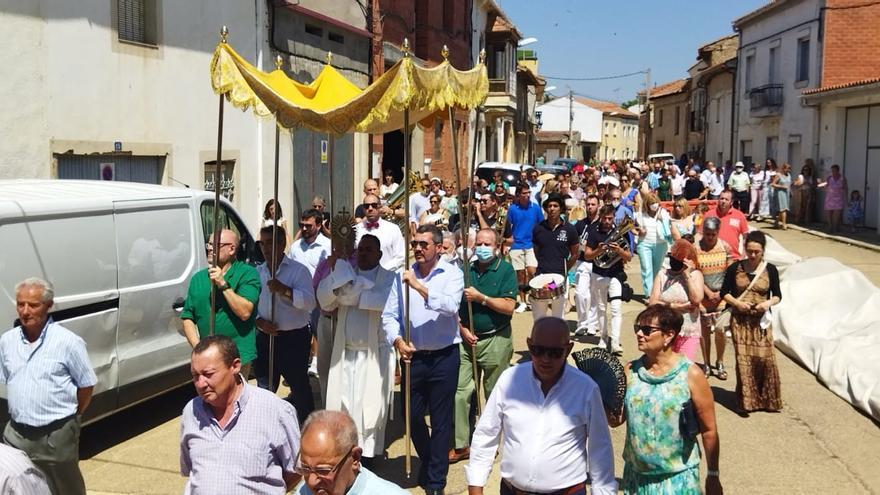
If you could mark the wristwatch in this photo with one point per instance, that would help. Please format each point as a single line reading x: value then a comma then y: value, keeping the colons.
x: 485, y: 299
x: 712, y: 473
x: 224, y: 286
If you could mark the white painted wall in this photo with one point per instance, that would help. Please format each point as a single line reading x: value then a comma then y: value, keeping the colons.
x: 719, y: 93
x: 587, y: 121
x: 783, y: 26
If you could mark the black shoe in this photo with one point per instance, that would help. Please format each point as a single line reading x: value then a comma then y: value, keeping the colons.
x: 434, y: 491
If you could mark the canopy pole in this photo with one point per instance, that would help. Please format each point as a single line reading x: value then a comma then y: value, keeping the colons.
x: 274, y: 265
x: 216, y: 222
x: 407, y: 163
x: 465, y: 229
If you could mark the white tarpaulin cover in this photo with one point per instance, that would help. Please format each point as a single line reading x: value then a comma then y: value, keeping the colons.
x: 829, y: 320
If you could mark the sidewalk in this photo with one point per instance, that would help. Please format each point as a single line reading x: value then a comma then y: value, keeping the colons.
x: 863, y: 237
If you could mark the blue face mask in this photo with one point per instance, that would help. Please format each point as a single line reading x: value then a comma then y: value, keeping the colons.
x: 484, y: 253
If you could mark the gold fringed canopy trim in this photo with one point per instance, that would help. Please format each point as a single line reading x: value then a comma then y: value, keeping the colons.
x: 333, y: 104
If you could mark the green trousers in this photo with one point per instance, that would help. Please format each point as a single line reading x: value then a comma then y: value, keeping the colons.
x: 493, y: 357
x: 54, y: 449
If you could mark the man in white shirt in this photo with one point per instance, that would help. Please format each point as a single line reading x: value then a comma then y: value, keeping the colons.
x: 393, y: 245
x: 310, y: 250
x: 360, y: 379
x: 713, y: 178
x: 291, y: 294
x: 677, y: 179
x: 418, y: 203
x: 551, y: 417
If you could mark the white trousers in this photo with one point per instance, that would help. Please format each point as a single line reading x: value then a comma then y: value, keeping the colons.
x: 601, y: 288
x: 549, y: 307
x: 586, y: 313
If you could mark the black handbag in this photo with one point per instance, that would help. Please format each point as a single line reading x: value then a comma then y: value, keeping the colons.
x: 688, y: 423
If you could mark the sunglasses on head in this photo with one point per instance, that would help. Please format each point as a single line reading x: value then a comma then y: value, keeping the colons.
x: 646, y: 330
x: 551, y: 352
x: 419, y: 244
x: 367, y: 206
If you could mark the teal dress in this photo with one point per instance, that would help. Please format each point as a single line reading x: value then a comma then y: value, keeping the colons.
x: 657, y: 459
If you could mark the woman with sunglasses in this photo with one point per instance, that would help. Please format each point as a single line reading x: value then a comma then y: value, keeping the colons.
x: 680, y: 288
x: 435, y: 214
x: 668, y: 402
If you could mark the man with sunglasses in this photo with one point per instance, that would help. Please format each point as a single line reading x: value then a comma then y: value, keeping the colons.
x: 331, y: 462
x: 393, y: 245
x: 238, y: 291
x: 435, y: 291
x: 545, y: 449
x: 606, y: 285
x: 234, y: 437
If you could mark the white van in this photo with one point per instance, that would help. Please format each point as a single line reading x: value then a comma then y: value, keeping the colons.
x: 120, y: 256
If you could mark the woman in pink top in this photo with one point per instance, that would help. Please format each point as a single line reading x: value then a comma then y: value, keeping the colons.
x: 835, y: 197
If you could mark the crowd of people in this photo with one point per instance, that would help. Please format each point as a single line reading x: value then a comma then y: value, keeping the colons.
x: 354, y: 315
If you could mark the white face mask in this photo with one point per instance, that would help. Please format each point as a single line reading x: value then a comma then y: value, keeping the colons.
x: 449, y: 258
x: 654, y: 207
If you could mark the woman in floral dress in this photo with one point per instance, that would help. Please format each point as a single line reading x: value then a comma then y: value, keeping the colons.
x: 662, y: 455
x: 835, y: 197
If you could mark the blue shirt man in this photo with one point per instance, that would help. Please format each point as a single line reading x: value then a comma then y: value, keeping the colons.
x: 522, y: 216
x: 49, y: 383
x: 435, y: 289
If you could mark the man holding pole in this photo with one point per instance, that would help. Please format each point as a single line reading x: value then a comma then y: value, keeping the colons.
x: 435, y: 288
x: 238, y: 288
x: 285, y: 305
x: 492, y: 296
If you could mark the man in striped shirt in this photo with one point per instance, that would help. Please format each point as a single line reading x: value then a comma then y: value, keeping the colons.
x: 49, y: 383
x: 234, y: 437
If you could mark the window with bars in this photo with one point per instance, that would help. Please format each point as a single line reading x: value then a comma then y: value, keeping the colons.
x: 136, y: 21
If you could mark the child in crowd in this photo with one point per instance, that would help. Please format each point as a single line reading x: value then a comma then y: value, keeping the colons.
x: 854, y: 211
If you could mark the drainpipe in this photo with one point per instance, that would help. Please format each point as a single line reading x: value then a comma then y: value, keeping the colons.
x: 734, y: 104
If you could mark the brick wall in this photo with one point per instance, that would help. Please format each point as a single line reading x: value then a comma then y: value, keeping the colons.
x: 852, y: 41
x: 429, y: 25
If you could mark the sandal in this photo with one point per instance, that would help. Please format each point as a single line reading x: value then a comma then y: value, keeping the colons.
x: 707, y: 370
x: 719, y: 371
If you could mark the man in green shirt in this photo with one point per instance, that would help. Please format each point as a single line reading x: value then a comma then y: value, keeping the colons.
x: 238, y: 290
x: 492, y: 295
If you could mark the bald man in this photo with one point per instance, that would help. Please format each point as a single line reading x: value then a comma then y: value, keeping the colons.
x: 552, y: 442
x: 237, y: 285
x: 330, y: 459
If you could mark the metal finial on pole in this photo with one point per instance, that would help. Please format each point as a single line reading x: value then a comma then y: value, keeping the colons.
x: 329, y: 58
x: 445, y: 53
x: 483, y: 56
x: 279, y: 63
x: 406, y: 51
x: 224, y: 34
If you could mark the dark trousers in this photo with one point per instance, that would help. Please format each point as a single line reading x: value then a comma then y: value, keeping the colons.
x: 434, y: 380
x: 741, y: 200
x: 292, y: 362
x: 54, y: 449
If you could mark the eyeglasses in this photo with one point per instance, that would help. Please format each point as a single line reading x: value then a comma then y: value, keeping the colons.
x: 304, y: 225
x: 646, y: 330
x: 420, y: 244
x: 321, y: 472
x: 435, y: 202
x: 317, y: 207
x: 551, y: 352
x: 210, y: 245
x: 367, y: 206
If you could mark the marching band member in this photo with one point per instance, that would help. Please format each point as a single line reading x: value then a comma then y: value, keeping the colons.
x: 606, y: 287
x: 556, y: 249
x: 584, y: 270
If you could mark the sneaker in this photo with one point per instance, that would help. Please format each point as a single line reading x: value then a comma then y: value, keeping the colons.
x: 521, y: 308
x: 313, y: 368
x: 580, y: 331
x: 593, y: 332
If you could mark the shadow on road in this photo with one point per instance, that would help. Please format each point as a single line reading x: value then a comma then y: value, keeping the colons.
x: 113, y: 430
x: 726, y: 398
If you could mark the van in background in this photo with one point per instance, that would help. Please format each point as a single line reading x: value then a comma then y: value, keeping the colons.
x: 120, y: 256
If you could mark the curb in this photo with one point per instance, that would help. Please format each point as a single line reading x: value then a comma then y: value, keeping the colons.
x: 842, y: 240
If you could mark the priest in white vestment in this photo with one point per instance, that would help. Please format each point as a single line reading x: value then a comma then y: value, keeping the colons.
x: 361, y: 377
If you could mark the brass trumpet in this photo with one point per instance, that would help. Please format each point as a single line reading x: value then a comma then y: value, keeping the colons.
x: 618, y: 236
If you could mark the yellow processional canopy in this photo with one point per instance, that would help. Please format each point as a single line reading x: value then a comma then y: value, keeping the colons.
x: 333, y: 104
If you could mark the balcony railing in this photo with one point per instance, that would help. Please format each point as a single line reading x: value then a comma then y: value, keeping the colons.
x: 766, y: 98
x: 498, y: 85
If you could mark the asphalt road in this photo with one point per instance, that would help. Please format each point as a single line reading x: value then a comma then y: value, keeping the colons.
x: 817, y: 444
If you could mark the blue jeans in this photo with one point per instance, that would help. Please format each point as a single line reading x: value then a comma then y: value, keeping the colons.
x: 434, y: 377
x: 650, y: 261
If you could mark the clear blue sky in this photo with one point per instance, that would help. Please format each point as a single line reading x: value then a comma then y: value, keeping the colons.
x: 586, y: 38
